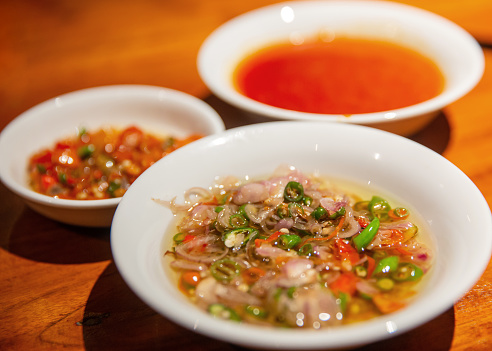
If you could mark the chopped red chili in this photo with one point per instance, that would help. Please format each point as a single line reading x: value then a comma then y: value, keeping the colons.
x: 100, y: 164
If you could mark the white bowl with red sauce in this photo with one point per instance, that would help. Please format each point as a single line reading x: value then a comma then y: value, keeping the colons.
x: 155, y: 110
x: 427, y: 184
x: 455, y: 55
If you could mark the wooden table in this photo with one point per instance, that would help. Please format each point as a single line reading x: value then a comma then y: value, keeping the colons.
x: 59, y: 286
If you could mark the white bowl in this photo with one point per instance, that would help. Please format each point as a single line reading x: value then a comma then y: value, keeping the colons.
x: 456, y: 53
x: 379, y: 160
x: 162, y: 110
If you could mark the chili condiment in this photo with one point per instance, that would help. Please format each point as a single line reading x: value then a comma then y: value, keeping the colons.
x: 100, y: 164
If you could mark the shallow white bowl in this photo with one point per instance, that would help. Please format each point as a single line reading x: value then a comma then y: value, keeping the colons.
x: 457, y: 54
x: 154, y: 109
x: 379, y: 160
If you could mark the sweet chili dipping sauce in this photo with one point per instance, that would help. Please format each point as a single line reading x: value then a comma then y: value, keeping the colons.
x: 344, y: 76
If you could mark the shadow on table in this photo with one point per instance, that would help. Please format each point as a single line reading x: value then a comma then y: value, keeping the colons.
x: 38, y: 238
x: 116, y: 319
x: 434, y: 136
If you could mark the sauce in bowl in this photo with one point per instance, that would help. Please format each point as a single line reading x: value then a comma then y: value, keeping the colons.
x: 98, y: 164
x: 344, y: 76
x: 296, y: 251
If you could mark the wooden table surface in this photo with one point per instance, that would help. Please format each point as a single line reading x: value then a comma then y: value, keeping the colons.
x: 59, y: 288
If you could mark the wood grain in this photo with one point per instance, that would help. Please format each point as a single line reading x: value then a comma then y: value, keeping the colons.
x: 59, y: 286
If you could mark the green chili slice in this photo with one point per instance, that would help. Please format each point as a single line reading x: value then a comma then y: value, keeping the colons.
x: 291, y: 292
x: 169, y: 142
x: 179, y: 238
x: 306, y: 250
x: 293, y: 192
x: 62, y: 178
x: 365, y: 296
x: 387, y: 265
x: 242, y: 210
x: 238, y: 237
x: 237, y: 220
x: 225, y: 270
x: 222, y: 198
x: 410, y: 232
x: 41, y: 168
x: 295, y: 210
x: 361, y: 205
x: 379, y: 255
x: 379, y: 208
x: 340, y: 212
x: 277, y: 294
x: 218, y: 209
x: 288, y: 241
x: 283, y: 211
x: 301, y: 232
x: 222, y: 311
x: 85, y: 151
x: 307, y: 200
x: 113, y: 186
x: 82, y: 131
x: 407, y: 272
x: 365, y: 236
x: 400, y: 212
x: 385, y: 284
x: 256, y: 311
x: 344, y: 299
x: 318, y: 213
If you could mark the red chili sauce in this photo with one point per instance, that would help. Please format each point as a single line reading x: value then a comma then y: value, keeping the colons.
x: 344, y: 76
x: 98, y: 165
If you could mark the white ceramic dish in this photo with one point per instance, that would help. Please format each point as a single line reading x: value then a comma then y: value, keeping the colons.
x: 379, y: 160
x: 154, y: 109
x: 457, y: 54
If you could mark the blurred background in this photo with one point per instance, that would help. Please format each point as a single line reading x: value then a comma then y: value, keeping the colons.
x: 51, y: 47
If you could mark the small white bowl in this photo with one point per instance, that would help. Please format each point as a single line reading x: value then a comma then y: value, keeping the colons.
x: 154, y: 109
x: 456, y: 53
x: 379, y: 160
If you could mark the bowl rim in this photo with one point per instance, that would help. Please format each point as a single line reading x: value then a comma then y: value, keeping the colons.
x: 226, y: 91
x: 246, y: 335
x: 92, y: 94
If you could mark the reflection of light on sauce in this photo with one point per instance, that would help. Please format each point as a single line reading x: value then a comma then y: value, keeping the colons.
x: 341, y: 76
